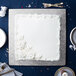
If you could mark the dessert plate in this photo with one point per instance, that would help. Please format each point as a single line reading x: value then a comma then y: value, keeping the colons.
x: 73, y: 36
x: 2, y: 38
x: 68, y: 71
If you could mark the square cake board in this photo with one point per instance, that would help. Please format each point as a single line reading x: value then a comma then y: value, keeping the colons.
x: 61, y: 13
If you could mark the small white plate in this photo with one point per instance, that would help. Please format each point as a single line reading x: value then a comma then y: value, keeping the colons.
x: 2, y: 38
x: 67, y: 69
x: 73, y: 36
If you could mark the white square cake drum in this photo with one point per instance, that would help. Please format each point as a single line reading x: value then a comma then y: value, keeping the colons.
x: 37, y: 37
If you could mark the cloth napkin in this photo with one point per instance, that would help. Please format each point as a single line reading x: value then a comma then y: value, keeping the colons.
x: 5, y: 70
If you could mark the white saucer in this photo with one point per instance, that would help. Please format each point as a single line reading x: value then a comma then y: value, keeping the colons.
x: 2, y: 38
x: 73, y: 36
x: 67, y: 69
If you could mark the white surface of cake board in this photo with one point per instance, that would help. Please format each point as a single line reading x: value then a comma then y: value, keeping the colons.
x: 37, y: 36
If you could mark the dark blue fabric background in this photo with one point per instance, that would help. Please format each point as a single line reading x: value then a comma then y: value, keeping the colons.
x: 70, y: 6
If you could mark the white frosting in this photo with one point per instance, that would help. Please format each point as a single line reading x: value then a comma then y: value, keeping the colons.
x: 37, y: 37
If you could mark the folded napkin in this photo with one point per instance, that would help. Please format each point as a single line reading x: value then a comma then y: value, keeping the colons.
x: 5, y: 70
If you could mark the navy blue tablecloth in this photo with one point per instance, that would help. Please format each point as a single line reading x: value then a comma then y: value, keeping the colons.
x: 69, y: 5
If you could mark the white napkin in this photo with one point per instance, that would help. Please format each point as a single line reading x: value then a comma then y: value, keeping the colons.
x: 5, y: 70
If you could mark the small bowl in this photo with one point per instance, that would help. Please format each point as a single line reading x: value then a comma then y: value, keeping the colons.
x: 2, y: 38
x: 67, y: 69
x: 73, y: 36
